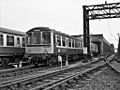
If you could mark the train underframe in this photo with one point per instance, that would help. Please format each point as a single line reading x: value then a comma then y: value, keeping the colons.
x: 10, y: 60
x: 41, y: 59
x: 52, y: 59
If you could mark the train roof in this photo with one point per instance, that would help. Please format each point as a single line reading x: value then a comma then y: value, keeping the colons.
x: 10, y: 31
x: 52, y: 30
x: 47, y: 29
x: 40, y: 29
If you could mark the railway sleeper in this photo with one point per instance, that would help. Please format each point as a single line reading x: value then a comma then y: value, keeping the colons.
x: 22, y: 84
x: 82, y: 77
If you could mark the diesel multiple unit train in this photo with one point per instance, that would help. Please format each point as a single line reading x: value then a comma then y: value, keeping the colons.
x: 40, y: 45
x: 12, y: 46
x: 42, y: 41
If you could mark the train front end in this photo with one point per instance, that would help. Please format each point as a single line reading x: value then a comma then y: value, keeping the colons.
x: 39, y: 44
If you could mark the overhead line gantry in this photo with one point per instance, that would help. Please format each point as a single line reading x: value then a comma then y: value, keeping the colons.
x: 100, y: 11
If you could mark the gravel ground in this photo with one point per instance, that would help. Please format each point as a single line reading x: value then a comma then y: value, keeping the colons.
x: 116, y: 65
x: 106, y: 79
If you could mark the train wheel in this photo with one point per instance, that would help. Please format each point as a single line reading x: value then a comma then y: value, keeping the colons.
x: 49, y: 63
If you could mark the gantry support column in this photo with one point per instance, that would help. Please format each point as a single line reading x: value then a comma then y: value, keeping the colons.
x: 100, y: 11
x: 86, y: 29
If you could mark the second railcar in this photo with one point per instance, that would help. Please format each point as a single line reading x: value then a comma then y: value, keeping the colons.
x: 42, y: 42
x: 12, y: 46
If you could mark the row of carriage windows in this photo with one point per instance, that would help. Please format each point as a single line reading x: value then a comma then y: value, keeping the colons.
x: 62, y: 41
x: 38, y: 37
x: 11, y: 41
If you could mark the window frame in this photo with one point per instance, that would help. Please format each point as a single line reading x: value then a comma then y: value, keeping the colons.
x: 42, y: 38
x: 7, y: 40
x: 23, y: 42
x: 60, y: 39
x: 73, y: 43
x: 70, y: 43
x: 29, y: 38
x: 64, y: 41
x: 33, y: 43
x: 18, y: 43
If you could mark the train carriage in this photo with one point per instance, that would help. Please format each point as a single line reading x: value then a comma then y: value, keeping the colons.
x: 42, y: 41
x: 12, y: 46
x: 41, y: 45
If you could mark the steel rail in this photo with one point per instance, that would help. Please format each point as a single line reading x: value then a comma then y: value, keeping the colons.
x: 29, y: 78
x: 56, y: 83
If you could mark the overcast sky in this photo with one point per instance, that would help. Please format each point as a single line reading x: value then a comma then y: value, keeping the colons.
x: 63, y: 15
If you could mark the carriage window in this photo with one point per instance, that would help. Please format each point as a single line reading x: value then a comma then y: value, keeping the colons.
x: 64, y: 41
x: 18, y: 41
x: 80, y: 45
x: 1, y: 40
x: 46, y: 38
x: 58, y: 41
x: 10, y: 40
x: 70, y: 45
x: 36, y: 38
x: 23, y: 42
x: 73, y: 43
x: 29, y: 38
x: 76, y: 44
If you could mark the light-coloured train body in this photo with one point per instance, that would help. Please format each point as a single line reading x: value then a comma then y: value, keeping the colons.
x: 12, y: 46
x: 45, y: 40
x: 42, y: 40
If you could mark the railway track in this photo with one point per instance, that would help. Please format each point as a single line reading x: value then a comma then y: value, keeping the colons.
x: 32, y: 81
x: 73, y: 80
x: 103, y: 77
x: 115, y: 64
x: 18, y: 72
x: 10, y: 74
x: 68, y: 80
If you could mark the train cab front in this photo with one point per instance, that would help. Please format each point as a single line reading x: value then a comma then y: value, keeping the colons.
x: 38, y: 42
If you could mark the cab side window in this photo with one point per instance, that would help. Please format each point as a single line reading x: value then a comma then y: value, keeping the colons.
x: 29, y: 38
x: 73, y: 43
x: 58, y: 40
x: 63, y: 41
x: 70, y: 45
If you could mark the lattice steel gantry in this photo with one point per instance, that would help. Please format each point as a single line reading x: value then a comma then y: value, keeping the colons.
x: 100, y: 11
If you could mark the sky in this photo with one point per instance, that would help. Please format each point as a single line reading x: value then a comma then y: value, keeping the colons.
x: 62, y: 15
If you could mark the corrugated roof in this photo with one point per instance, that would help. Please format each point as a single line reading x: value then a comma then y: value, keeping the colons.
x: 5, y: 30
